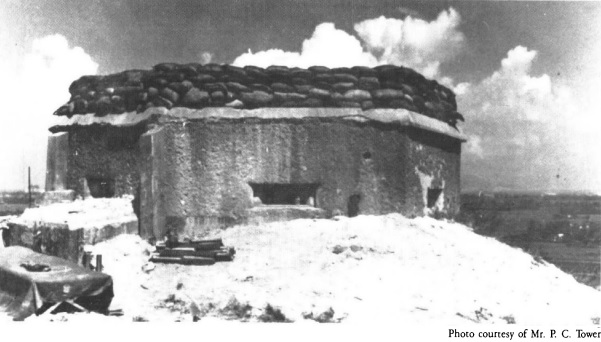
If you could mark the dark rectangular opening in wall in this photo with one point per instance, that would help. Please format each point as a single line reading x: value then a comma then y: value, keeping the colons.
x: 290, y: 194
x: 101, y: 187
x: 433, y: 195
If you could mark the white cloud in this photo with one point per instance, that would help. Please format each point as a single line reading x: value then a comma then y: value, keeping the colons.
x: 415, y: 43
x: 206, y: 57
x: 529, y: 125
x: 39, y: 85
x: 328, y: 46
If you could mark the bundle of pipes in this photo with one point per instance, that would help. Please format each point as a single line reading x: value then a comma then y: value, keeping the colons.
x: 202, y: 252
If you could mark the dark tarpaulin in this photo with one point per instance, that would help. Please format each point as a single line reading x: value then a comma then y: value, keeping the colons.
x: 23, y: 293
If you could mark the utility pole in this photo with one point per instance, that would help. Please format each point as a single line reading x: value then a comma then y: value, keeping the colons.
x: 29, y: 183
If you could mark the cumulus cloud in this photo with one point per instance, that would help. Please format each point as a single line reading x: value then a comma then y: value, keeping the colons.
x: 40, y: 83
x: 527, y: 131
x: 328, y: 46
x: 415, y: 43
x: 206, y: 57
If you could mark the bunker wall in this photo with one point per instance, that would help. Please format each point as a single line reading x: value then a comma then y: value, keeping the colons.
x: 213, y: 163
x: 104, y: 161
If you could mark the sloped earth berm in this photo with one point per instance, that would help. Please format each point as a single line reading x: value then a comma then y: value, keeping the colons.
x: 369, y: 268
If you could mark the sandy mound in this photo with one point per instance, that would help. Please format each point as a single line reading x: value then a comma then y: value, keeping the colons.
x: 368, y: 268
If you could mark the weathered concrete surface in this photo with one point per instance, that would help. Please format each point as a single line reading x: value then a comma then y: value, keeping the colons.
x: 211, y: 164
x: 434, y: 162
x: 57, y: 196
x: 152, y: 171
x: 399, y: 116
x: 62, y: 229
x: 105, y: 153
x: 56, y: 161
x: 190, y: 170
x: 273, y: 213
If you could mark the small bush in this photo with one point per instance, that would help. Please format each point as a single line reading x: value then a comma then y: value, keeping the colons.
x: 174, y: 304
x: 235, y: 309
x: 324, y: 317
x: 274, y: 315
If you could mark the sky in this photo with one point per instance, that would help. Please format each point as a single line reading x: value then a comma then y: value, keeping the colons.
x: 526, y: 74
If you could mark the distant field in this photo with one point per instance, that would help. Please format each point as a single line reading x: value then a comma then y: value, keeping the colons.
x: 564, y: 230
x: 584, y: 263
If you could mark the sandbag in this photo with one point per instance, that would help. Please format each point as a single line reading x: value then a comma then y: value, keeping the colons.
x: 282, y: 88
x: 363, y: 71
x: 235, y: 72
x: 211, y: 69
x: 278, y: 71
x: 365, y: 105
x: 318, y: 69
x: 303, y: 89
x: 62, y: 111
x: 235, y: 104
x: 126, y: 90
x: 256, y: 98
x: 218, y: 97
x: 311, y: 103
x: 103, y: 106
x: 210, y: 87
x: 387, y: 94
x: 261, y: 87
x: 341, y: 70
x: 286, y: 97
x: 165, y: 67
x: 169, y: 94
x: 301, y: 73
x: 160, y: 101
x: 196, y: 98
x: 202, y: 79
x: 300, y: 81
x: 180, y: 87
x: 173, y: 76
x: 323, y: 85
x: 118, y: 104
x: 319, y: 93
x: 325, y: 78
x: 257, y: 73
x: 401, y: 103
x: 189, y: 70
x: 368, y: 83
x: 153, y: 92
x: 346, y: 78
x: 236, y: 87
x: 91, y: 106
x: 357, y: 95
x: 343, y: 86
x: 80, y: 106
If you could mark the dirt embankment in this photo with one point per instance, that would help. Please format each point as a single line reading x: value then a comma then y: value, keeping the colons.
x: 369, y: 268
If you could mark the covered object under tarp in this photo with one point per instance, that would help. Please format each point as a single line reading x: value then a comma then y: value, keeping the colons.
x: 23, y: 292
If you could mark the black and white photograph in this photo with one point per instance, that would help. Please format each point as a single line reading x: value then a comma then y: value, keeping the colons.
x: 402, y: 163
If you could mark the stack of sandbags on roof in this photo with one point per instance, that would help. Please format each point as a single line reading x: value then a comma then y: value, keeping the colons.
x: 197, y: 86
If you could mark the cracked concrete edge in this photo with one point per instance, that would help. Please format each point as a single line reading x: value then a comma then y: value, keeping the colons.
x: 400, y: 117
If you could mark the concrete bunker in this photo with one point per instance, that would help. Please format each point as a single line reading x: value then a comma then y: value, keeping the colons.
x: 201, y: 147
